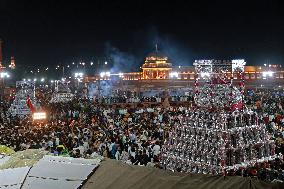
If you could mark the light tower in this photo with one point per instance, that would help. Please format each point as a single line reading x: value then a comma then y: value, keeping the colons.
x: 219, y: 134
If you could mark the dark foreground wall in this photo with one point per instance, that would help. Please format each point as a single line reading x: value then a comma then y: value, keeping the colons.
x: 115, y: 175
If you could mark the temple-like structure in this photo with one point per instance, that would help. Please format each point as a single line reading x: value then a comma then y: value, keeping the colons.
x: 157, y: 71
x: 156, y: 66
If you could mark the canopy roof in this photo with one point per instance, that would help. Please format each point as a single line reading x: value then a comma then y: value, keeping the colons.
x: 116, y: 175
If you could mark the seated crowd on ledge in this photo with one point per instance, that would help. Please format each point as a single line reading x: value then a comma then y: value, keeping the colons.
x: 134, y: 135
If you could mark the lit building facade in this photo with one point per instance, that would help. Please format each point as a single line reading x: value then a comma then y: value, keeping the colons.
x: 157, y: 71
x: 156, y: 67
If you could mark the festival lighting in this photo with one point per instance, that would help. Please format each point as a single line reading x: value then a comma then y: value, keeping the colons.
x: 4, y: 74
x: 79, y: 75
x: 102, y: 74
x: 238, y: 65
x: 39, y: 116
x: 173, y: 74
x: 204, y: 74
x: 268, y: 73
x: 206, y: 96
x: 105, y: 74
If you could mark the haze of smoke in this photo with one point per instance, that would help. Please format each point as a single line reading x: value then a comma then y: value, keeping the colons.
x: 105, y: 88
x: 122, y: 61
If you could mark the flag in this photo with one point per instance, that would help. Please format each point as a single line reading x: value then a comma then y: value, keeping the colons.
x: 237, y: 106
x: 30, y: 104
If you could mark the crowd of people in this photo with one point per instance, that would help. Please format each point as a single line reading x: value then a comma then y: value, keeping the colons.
x: 132, y: 134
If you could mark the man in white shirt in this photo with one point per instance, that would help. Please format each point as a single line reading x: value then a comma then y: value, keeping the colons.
x: 156, y: 149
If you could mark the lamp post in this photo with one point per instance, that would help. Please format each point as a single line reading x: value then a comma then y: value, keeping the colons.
x: 4, y: 75
x: 103, y: 75
x: 78, y: 77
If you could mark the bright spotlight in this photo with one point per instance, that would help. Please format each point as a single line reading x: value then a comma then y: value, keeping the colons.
x: 79, y: 75
x: 105, y: 62
x: 29, y: 79
x: 42, y: 80
x: 35, y: 79
x: 39, y: 116
x: 120, y: 74
x: 102, y: 74
x: 107, y: 74
x: 268, y: 73
x: 173, y: 74
x: 4, y: 74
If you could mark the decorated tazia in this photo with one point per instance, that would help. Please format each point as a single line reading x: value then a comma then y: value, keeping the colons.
x: 220, y: 134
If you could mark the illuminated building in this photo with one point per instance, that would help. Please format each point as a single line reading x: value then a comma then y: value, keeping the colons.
x: 158, y: 72
x: 156, y: 66
x: 12, y: 63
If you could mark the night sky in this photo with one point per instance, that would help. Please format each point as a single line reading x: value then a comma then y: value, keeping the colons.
x: 51, y: 32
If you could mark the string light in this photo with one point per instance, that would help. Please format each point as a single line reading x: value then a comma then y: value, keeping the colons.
x: 218, y: 134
